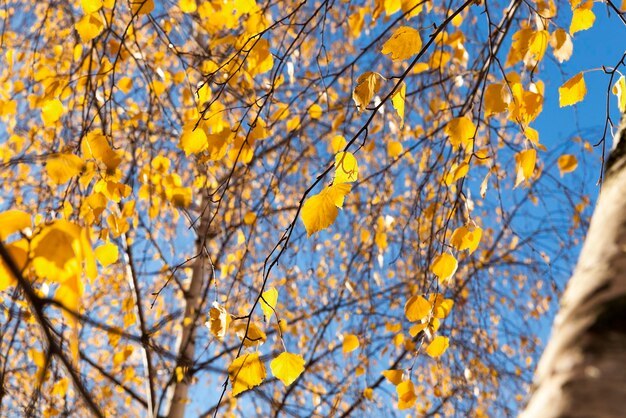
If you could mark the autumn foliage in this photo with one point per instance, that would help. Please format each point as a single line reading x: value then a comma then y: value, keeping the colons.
x: 309, y: 208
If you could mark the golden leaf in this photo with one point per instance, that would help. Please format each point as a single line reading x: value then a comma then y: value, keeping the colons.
x: 218, y: 322
x: 346, y: 168
x: 287, y: 367
x: 406, y: 395
x: 350, y: 343
x: 417, y: 308
x: 437, y: 346
x: 444, y: 266
x: 367, y: 85
x: 572, y: 91
x: 567, y: 163
x: 246, y: 372
x: 320, y: 211
x: 403, y: 44
x: 268, y: 302
x: 107, y: 254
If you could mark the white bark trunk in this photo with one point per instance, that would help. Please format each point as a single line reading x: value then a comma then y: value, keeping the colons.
x: 186, y: 346
x: 582, y: 372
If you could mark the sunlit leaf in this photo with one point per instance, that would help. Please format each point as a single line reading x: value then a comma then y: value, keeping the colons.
x: 254, y: 336
x: 346, y: 168
x: 495, y: 99
x: 246, y: 372
x: 62, y: 167
x: 89, y: 27
x: 268, y: 302
x: 582, y: 19
x: 525, y: 165
x: 187, y: 6
x: 91, y: 6
x: 562, y: 46
x: 350, y: 343
x: 403, y: 44
x: 406, y: 395
x: 572, y: 91
x: 397, y: 100
x: 461, y: 131
x: 619, y: 89
x: 567, y: 163
x: 538, y: 44
x: 141, y: 7
x: 320, y: 211
x: 287, y: 367
x: 12, y: 221
x: 51, y: 111
x: 437, y: 346
x: 466, y: 238
x: 367, y: 85
x: 393, y: 376
x: 417, y: 308
x: 218, y: 322
x: 107, y: 254
x: 444, y: 266
x: 194, y: 139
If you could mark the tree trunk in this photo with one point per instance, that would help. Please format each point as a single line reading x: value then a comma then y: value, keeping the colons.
x: 186, y: 343
x: 582, y: 372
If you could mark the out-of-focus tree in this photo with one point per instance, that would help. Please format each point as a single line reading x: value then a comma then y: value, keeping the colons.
x: 289, y: 208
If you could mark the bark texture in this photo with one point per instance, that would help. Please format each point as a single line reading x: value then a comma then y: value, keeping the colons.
x: 191, y: 319
x: 582, y: 372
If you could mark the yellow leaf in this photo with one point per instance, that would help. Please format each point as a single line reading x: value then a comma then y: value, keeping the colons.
x: 397, y: 100
x: 62, y: 167
x: 246, y: 372
x: 249, y: 218
x: 461, y: 131
x: 367, y: 85
x: 13, y: 221
x: 443, y: 308
x: 456, y: 172
x: 254, y: 337
x: 218, y: 322
x: 437, y: 346
x: 350, y: 343
x: 619, y: 89
x: 415, y: 329
x: 320, y: 211
x: 466, y: 238
x: 141, y: 7
x: 406, y: 395
x: 495, y: 99
x: 268, y: 302
x: 403, y: 44
x: 572, y: 91
x: 346, y: 168
x: 19, y: 254
x: 260, y: 59
x: 417, y: 308
x: 538, y: 44
x: 338, y: 143
x: 368, y: 393
x: 444, y: 266
x: 525, y: 161
x: 393, y: 376
x: 91, y: 6
x: 315, y: 111
x: 582, y: 19
x: 51, y: 112
x: 567, y: 163
x: 287, y: 367
x: 107, y: 254
x: 193, y: 141
x: 394, y: 149
x: 89, y: 27
x: 95, y: 145
x: 187, y: 6
x: 562, y: 46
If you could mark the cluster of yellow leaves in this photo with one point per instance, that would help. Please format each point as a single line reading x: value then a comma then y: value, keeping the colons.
x: 429, y: 313
x: 321, y: 210
x: 247, y: 370
x: 159, y: 184
x: 58, y: 252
